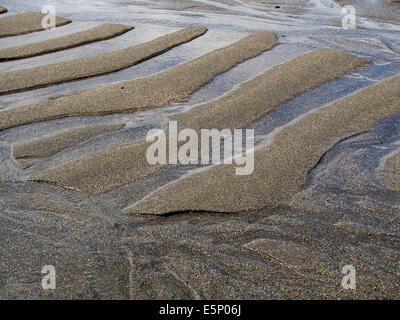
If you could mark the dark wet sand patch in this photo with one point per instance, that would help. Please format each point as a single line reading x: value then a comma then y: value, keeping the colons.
x: 48, y: 146
x: 390, y: 174
x: 98, y: 33
x: 24, y: 23
x: 76, y: 69
x: 281, y: 168
x: 3, y: 10
x: 172, y: 85
x: 239, y: 108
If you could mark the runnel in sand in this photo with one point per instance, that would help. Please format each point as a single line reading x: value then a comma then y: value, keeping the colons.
x: 249, y: 102
x: 172, y: 85
x: 47, y: 146
x: 281, y: 168
x: 51, y: 74
x: 98, y: 33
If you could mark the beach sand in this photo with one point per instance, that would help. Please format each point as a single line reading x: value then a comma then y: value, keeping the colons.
x: 172, y: 85
x: 246, y: 104
x: 23, y: 23
x: 49, y: 145
x: 99, y: 33
x: 72, y: 70
x: 281, y: 168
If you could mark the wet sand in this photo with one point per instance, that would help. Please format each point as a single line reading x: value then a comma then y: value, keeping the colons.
x: 172, y: 85
x: 99, y: 33
x: 294, y: 252
x: 24, y: 23
x: 72, y: 70
x: 239, y: 108
x: 390, y: 171
x: 47, y: 146
x: 281, y: 168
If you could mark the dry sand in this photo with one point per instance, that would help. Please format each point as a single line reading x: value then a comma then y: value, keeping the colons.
x: 47, y: 146
x: 172, y: 85
x: 23, y: 23
x: 3, y: 10
x: 43, y: 76
x: 249, y: 102
x: 281, y: 168
x: 98, y: 33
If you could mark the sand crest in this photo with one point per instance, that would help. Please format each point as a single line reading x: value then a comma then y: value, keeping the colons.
x: 23, y: 23
x: 47, y: 146
x: 172, y: 85
x: 281, y: 168
x: 247, y: 103
x: 98, y: 33
x: 43, y: 76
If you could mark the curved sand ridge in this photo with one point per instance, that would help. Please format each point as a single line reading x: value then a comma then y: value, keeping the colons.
x: 47, y: 146
x: 98, y: 33
x: 281, y: 168
x: 172, y: 85
x: 244, y: 105
x: 3, y: 10
x: 76, y: 69
x: 25, y: 23
x: 390, y: 174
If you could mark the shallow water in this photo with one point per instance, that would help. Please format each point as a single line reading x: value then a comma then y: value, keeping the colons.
x: 88, y: 237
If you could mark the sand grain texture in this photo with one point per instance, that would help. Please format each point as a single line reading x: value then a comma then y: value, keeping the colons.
x: 244, y: 105
x: 281, y: 168
x: 47, y: 146
x: 172, y: 85
x: 27, y: 79
x: 98, y: 33
x: 24, y: 23
x: 390, y: 173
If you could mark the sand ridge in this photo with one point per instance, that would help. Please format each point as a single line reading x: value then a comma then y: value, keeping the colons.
x: 98, y: 33
x: 281, y: 168
x: 242, y: 106
x: 24, y: 23
x: 42, y: 76
x: 49, y: 145
x: 175, y: 84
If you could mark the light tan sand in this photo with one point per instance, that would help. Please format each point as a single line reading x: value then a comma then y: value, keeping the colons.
x: 281, y: 168
x: 76, y: 69
x: 99, y: 33
x: 390, y: 173
x: 47, y: 146
x: 247, y: 103
x: 23, y: 23
x: 172, y: 85
x: 3, y: 10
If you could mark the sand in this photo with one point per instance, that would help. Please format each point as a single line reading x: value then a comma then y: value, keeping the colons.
x: 50, y: 145
x: 98, y: 33
x: 3, y: 10
x: 51, y: 74
x: 281, y: 168
x: 23, y: 23
x: 389, y: 174
x: 244, y: 105
x: 172, y: 85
